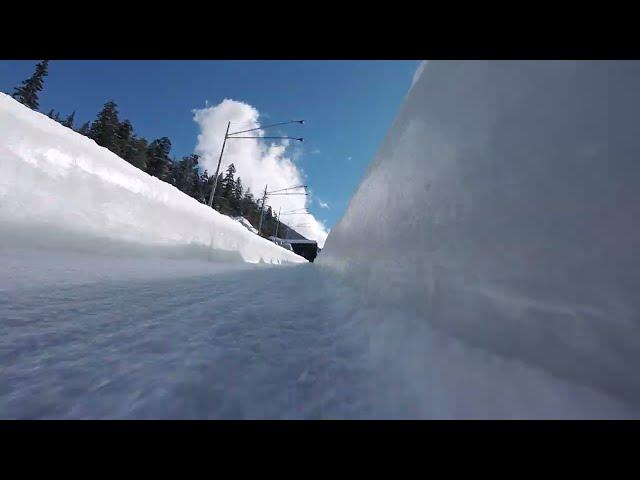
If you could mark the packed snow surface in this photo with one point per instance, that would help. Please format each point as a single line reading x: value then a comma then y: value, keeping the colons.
x: 250, y: 341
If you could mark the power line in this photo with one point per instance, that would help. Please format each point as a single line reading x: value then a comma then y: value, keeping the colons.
x: 288, y: 188
x: 275, y: 194
x: 228, y: 135
x: 267, y: 126
x: 300, y: 139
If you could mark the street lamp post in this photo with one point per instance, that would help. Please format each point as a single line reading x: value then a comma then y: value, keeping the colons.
x: 228, y: 135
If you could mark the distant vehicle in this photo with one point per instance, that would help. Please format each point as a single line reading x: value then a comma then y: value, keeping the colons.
x: 304, y: 247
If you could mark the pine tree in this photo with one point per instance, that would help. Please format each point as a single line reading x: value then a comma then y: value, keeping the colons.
x: 158, y: 161
x: 246, y: 203
x: 84, y: 129
x: 228, y: 183
x: 186, y: 175
x: 170, y: 173
x: 219, y: 189
x: 224, y: 191
x: 27, y: 93
x: 204, y: 187
x: 124, y: 135
x: 268, y: 228
x: 68, y: 122
x: 236, y: 197
x: 137, y: 153
x: 180, y: 175
x: 104, y: 129
x: 53, y: 115
x: 238, y: 191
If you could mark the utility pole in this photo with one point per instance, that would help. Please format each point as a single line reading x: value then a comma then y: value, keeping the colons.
x: 278, y: 224
x: 215, y: 179
x: 282, y: 191
x: 228, y: 135
x: 297, y: 211
x: 264, y: 199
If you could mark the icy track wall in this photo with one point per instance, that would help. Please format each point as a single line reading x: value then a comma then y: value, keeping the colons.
x: 504, y: 208
x: 60, y: 190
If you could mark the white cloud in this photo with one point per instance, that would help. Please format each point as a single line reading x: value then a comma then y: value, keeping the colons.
x: 258, y: 162
x: 323, y: 204
x: 315, y: 151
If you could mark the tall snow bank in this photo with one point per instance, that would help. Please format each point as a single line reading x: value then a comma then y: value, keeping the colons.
x: 504, y: 207
x: 60, y: 190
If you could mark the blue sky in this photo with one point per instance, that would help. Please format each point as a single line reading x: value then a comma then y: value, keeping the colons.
x: 348, y: 106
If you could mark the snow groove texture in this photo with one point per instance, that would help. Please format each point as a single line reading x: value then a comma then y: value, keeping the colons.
x: 265, y: 342
x: 503, y: 207
x: 60, y: 190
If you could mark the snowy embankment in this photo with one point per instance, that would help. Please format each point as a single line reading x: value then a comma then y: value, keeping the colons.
x: 60, y: 191
x: 502, y: 209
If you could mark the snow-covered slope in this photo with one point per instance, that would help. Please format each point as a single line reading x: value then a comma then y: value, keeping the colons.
x: 504, y: 208
x: 60, y: 190
x: 246, y: 224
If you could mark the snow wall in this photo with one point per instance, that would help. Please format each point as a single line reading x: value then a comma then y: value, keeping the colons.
x: 504, y: 208
x: 60, y: 190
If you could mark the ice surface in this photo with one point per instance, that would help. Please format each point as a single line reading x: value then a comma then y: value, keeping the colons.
x: 284, y: 342
x: 503, y: 208
x: 60, y: 190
